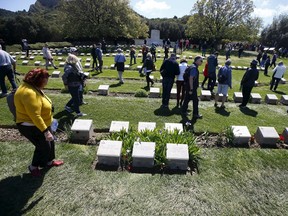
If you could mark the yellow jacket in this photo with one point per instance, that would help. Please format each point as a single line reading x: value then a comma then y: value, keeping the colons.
x: 33, y: 106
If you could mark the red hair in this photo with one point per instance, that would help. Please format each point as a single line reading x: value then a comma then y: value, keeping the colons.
x: 36, y: 77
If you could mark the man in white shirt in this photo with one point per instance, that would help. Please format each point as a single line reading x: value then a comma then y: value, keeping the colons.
x: 48, y: 56
x: 6, y: 63
x: 279, y: 71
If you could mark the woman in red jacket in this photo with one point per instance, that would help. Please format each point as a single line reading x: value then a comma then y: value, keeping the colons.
x: 205, y: 73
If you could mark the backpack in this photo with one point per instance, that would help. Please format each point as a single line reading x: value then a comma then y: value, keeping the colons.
x: 221, y: 77
x: 186, y: 74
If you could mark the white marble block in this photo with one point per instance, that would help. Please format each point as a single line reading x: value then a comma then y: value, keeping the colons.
x: 240, y: 68
x: 173, y: 93
x: 177, y: 156
x: 88, y: 60
x: 285, y: 135
x: 56, y: 74
x: 171, y: 127
x: 151, y: 77
x: 59, y: 54
x: 221, y: 96
x: 284, y: 99
x: 154, y: 93
x: 139, y: 55
x: 32, y: 57
x: 282, y: 81
x: 190, y: 57
x: 82, y: 54
x: 61, y: 64
x: 82, y: 129
x: 112, y: 66
x: 107, y: 55
x: 117, y: 126
x: 25, y: 62
x: 161, y: 78
x: 256, y: 98
x: 88, y: 54
x: 241, y: 134
x: 37, y: 63
x: 126, y: 55
x: 205, y: 95
x: 87, y: 65
x: 60, y: 58
x: 142, y: 126
x: 143, y: 154
x: 87, y: 74
x: 158, y: 56
x: 41, y: 53
x: 271, y: 99
x: 22, y: 57
x: 238, y: 97
x: 109, y: 152
x: 126, y: 67
x: 17, y: 53
x: 103, y: 89
x: 139, y: 68
x: 266, y: 135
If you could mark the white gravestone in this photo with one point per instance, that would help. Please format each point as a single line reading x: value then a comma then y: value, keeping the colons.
x: 56, y: 74
x: 109, y: 152
x: 103, y: 90
x: 171, y: 127
x: 177, y: 156
x: 221, y: 96
x: 142, y: 126
x: 82, y: 129
x: 285, y: 135
x: 25, y: 62
x: 282, y: 81
x: 173, y: 93
x: 37, y: 63
x: 271, y: 99
x: 143, y: 154
x: 284, y: 99
x: 88, y: 60
x: 266, y: 135
x: 154, y: 93
x: 87, y: 65
x: 256, y: 98
x: 117, y: 126
x: 241, y: 134
x: 238, y: 97
x: 61, y: 64
x: 205, y: 95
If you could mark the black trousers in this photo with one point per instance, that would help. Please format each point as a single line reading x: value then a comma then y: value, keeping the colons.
x: 211, y: 81
x: 194, y: 99
x: 167, y: 84
x: 44, y: 151
x: 274, y: 81
x: 246, y: 91
x: 148, y: 79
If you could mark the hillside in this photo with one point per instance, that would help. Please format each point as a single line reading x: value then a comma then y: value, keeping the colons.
x: 43, y: 5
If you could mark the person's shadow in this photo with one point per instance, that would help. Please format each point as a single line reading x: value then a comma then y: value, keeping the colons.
x: 115, y: 85
x: 248, y: 111
x: 188, y: 124
x: 64, y: 119
x: 222, y: 111
x: 16, y: 191
x: 165, y: 111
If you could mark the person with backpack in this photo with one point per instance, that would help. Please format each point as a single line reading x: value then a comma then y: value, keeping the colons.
x: 153, y: 52
x: 169, y: 69
x: 191, y: 79
x: 225, y: 81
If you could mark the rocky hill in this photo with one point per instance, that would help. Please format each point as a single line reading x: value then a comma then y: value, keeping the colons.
x: 44, y: 5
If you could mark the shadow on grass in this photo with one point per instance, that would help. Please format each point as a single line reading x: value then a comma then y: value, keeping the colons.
x: 280, y: 92
x: 187, y: 123
x: 16, y: 191
x: 165, y: 111
x: 115, y: 85
x: 222, y: 111
x: 248, y: 111
x: 64, y: 119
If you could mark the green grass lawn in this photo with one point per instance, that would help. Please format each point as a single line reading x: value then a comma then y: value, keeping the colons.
x: 230, y: 182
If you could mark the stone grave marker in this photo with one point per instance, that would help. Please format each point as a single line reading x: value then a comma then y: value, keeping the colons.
x: 82, y: 54
x: 82, y: 129
x: 60, y: 58
x: 221, y: 96
x: 177, y: 156
x: 161, y: 78
x: 14, y: 57
x: 143, y: 154
x: 238, y: 97
x: 87, y: 74
x: 240, y: 68
x: 139, y: 68
x: 32, y: 57
x: 173, y: 94
x: 117, y: 126
x: 37, y: 63
x: 282, y: 81
x: 59, y: 54
x: 41, y: 53
x: 61, y: 64
x: 205, y: 95
x: 88, y: 54
x: 256, y: 83
x: 17, y: 53
x: 127, y: 67
x: 241, y: 134
x: 154, y: 93
x: 112, y: 66
x: 190, y: 57
x: 284, y: 99
x: 142, y: 126
x: 171, y: 127
x: 256, y: 98
x: 107, y: 54
x: 88, y: 60
x: 109, y: 152
x: 22, y: 57
x: 87, y: 65
x: 285, y: 135
x: 139, y: 55
x: 158, y: 56
x: 113, y: 55
x: 56, y: 74
x: 151, y: 77
x: 25, y: 62
x: 266, y: 136
x: 271, y: 99
x: 103, y: 90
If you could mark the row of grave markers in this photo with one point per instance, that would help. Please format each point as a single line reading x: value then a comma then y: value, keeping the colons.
x: 177, y: 155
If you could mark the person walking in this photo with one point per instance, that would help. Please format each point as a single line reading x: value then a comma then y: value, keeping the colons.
x: 225, y: 81
x: 25, y: 47
x: 240, y: 50
x: 204, y: 48
x: 48, y: 56
x: 274, y: 59
x: 259, y: 56
x: 94, y: 57
x: 267, y: 64
x: 248, y: 82
x: 99, y: 56
x: 180, y: 82
x: 212, y: 64
x: 169, y: 69
x: 166, y: 52
x: 205, y: 74
x: 7, y: 68
x: 119, y: 63
x: 279, y: 72
x: 73, y: 79
x: 191, y: 85
x: 264, y: 57
x: 34, y: 116
x: 132, y: 55
x: 148, y: 68
x: 153, y: 52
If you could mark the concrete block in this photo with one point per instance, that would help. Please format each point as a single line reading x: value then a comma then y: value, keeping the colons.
x: 256, y: 83
x: 221, y: 96
x: 88, y: 60
x: 113, y: 55
x: 139, y: 55
x: 139, y: 68
x: 88, y: 54
x: 17, y: 53
x: 59, y: 54
x: 82, y: 129
x: 143, y: 154
x: 285, y: 135
x: 126, y: 55
x: 271, y: 99
x: 87, y: 65
x: 256, y: 98
x: 107, y: 54
x: 56, y: 74
x: 60, y: 58
x: 266, y: 135
x: 190, y: 57
x: 109, y: 152
x: 142, y: 126
x: 32, y: 57
x: 127, y: 67
x: 158, y: 56
x: 177, y: 156
x: 61, y: 64
x: 25, y: 62
x: 151, y: 77
x: 241, y: 134
x: 117, y: 126
x: 239, y: 67
x: 22, y: 57
x: 237, y: 97
x: 41, y: 53
x: 171, y: 127
x: 87, y: 74
x: 205, y: 95
x: 173, y: 93
x: 103, y: 89
x: 82, y: 54
x: 284, y: 99
x: 282, y: 81
x: 37, y: 63
x: 154, y: 92
x: 112, y: 66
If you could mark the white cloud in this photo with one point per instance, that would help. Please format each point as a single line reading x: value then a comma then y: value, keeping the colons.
x: 282, y: 9
x: 148, y: 5
x: 264, y: 12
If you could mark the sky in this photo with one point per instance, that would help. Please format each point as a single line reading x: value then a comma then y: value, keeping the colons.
x: 266, y: 9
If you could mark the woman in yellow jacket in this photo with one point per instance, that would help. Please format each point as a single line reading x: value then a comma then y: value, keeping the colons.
x: 34, y: 118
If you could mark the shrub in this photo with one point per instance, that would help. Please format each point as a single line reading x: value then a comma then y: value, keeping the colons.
x: 141, y: 93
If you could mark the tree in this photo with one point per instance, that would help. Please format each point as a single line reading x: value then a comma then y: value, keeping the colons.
x: 95, y: 19
x: 276, y: 34
x: 215, y: 20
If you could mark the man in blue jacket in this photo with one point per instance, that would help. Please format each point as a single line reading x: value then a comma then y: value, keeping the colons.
x: 212, y: 64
